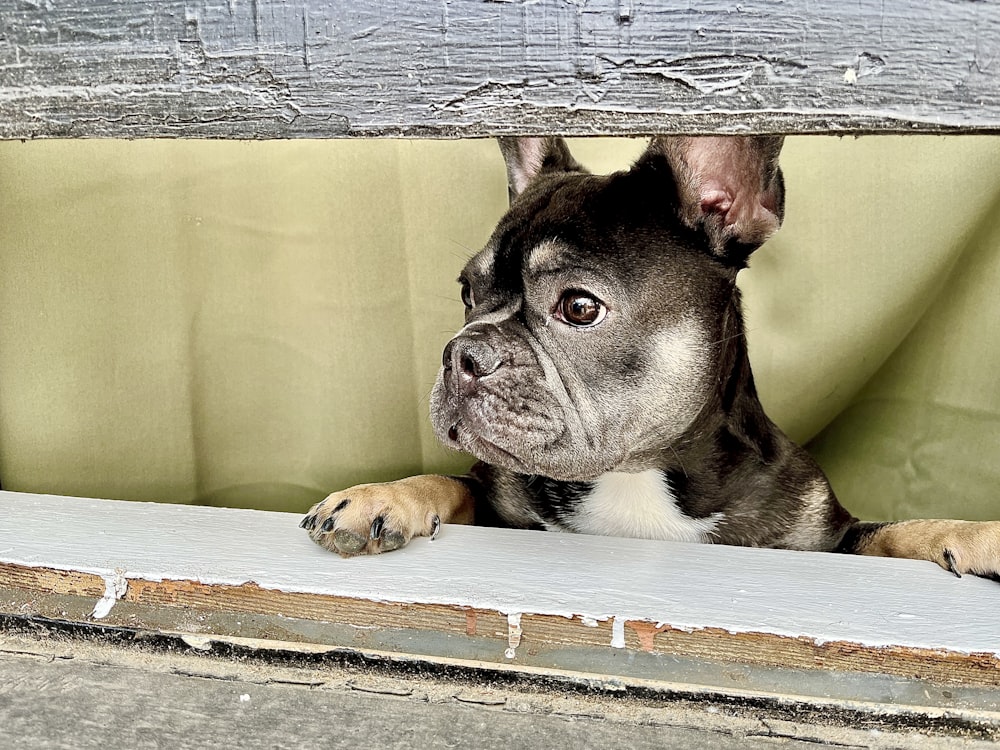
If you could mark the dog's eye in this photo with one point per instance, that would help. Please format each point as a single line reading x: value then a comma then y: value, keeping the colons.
x: 580, y: 309
x: 467, y: 299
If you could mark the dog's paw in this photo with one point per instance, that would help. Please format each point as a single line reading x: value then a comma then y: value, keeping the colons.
x: 961, y: 547
x: 970, y: 547
x: 373, y: 518
x: 369, y: 519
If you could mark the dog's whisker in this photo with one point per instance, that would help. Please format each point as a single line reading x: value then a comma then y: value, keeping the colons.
x: 741, y: 334
x: 679, y: 461
x: 426, y: 397
x: 470, y: 252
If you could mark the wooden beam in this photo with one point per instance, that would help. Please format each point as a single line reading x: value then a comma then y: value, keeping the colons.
x: 463, y: 68
x: 510, y: 598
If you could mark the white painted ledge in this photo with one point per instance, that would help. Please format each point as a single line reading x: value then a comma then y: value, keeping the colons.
x: 824, y: 598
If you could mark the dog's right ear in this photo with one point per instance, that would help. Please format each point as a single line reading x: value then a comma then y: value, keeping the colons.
x: 527, y: 158
x: 730, y: 187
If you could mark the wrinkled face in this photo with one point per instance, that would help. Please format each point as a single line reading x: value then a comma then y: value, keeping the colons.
x: 591, y: 342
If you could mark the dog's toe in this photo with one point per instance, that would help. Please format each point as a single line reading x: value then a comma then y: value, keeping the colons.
x: 950, y: 563
x: 346, y: 542
x: 960, y: 547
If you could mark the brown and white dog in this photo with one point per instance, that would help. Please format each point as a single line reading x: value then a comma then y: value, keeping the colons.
x: 602, y: 376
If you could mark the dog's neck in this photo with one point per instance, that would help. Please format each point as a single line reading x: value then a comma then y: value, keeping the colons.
x: 735, y: 405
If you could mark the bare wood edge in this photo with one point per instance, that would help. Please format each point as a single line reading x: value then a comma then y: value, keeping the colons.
x: 530, y: 632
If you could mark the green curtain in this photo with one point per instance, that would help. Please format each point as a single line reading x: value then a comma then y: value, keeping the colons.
x: 257, y: 324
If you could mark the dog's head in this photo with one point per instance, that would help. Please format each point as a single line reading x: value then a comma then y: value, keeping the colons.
x: 595, y: 313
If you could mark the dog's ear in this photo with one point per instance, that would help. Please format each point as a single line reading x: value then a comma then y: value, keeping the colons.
x: 729, y: 186
x: 529, y: 157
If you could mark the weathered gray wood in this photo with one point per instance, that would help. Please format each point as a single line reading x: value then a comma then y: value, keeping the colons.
x: 83, y: 695
x: 117, y: 708
x: 322, y: 68
x: 73, y: 703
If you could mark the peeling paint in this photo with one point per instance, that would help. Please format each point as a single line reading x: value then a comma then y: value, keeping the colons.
x: 513, y: 635
x: 624, y: 16
x: 365, y: 33
x: 487, y: 571
x: 618, y: 632
x: 707, y: 74
x: 115, y: 587
x: 197, y: 642
x: 586, y: 68
x: 865, y: 64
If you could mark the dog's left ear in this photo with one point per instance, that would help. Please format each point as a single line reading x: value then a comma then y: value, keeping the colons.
x: 527, y: 158
x: 729, y: 186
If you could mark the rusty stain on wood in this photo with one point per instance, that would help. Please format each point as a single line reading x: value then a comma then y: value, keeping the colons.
x: 646, y: 633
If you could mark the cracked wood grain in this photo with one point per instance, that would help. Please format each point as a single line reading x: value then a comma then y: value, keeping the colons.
x: 463, y: 68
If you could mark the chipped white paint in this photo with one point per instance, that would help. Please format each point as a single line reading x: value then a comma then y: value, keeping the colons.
x: 197, y: 642
x: 513, y: 634
x: 618, y: 633
x: 115, y: 587
x: 819, y: 596
x: 639, y: 505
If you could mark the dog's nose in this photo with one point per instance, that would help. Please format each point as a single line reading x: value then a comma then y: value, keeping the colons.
x: 470, y: 358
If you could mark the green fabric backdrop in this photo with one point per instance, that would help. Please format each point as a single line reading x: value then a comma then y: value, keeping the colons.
x: 257, y: 324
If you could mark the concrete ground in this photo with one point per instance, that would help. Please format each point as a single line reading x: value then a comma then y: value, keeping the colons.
x: 84, y: 695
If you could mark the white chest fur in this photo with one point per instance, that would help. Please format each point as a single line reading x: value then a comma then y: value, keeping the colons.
x: 638, y: 505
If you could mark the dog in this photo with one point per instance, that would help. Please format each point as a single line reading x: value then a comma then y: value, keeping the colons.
x: 602, y: 377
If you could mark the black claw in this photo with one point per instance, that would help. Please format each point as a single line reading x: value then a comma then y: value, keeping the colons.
x: 435, y: 527
x: 377, y: 525
x: 950, y: 559
x: 304, y: 523
x: 341, y: 505
x: 328, y: 524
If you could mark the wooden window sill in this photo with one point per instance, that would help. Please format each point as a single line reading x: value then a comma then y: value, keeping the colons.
x: 871, y: 634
